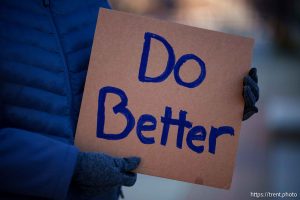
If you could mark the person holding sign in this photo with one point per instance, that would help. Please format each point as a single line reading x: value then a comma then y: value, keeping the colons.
x: 45, y: 48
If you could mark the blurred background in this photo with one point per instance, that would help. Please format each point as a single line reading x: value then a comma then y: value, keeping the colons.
x: 268, y: 157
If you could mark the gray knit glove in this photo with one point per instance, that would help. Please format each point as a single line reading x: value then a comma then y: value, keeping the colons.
x: 97, y: 171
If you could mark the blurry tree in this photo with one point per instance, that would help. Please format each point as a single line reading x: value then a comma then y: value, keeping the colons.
x: 283, y: 16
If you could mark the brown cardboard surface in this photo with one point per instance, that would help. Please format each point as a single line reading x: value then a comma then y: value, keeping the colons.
x: 217, y: 101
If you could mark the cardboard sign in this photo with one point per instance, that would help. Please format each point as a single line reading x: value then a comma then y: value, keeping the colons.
x: 169, y: 93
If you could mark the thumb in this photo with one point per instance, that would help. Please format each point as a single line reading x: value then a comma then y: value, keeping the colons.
x: 131, y: 163
x: 128, y: 163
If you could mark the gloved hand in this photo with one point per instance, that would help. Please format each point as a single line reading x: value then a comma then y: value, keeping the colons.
x: 96, y: 172
x: 250, y: 93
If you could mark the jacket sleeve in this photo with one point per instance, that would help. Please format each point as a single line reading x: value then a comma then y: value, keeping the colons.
x: 35, y: 165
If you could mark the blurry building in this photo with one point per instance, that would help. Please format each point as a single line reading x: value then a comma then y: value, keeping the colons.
x: 269, y: 150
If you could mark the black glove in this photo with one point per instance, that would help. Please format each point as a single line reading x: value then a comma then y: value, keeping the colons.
x: 96, y: 172
x: 250, y: 93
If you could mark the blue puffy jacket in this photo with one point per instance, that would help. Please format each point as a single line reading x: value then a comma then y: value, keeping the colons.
x: 44, y: 53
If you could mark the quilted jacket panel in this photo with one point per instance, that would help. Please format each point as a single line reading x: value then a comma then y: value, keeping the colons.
x: 44, y: 53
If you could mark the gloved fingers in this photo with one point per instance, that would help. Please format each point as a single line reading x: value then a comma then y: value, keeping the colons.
x: 114, y: 178
x: 127, y: 164
x: 248, y: 112
x: 129, y: 178
x: 250, y: 93
x: 249, y: 98
x: 131, y: 163
x: 119, y: 163
x: 253, y: 74
x: 248, y: 81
